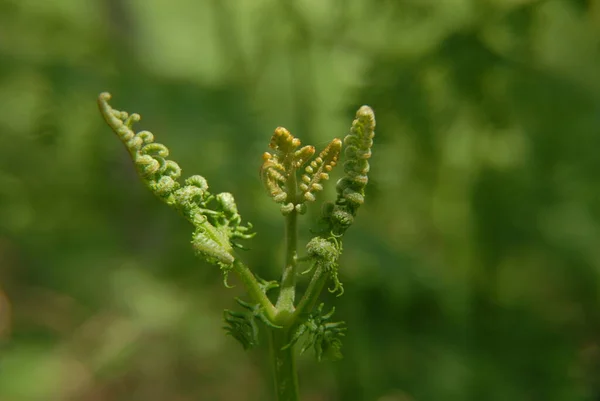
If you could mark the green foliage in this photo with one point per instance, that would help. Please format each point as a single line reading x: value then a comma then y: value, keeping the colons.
x: 471, y: 272
x: 323, y: 336
x: 216, y: 227
x: 242, y: 325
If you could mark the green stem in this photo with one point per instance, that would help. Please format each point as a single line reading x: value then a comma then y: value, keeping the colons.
x: 284, y: 363
x: 311, y: 295
x: 256, y: 293
x: 284, y: 366
x: 287, y: 293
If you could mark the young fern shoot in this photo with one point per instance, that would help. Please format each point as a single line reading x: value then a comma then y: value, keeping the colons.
x: 292, y: 178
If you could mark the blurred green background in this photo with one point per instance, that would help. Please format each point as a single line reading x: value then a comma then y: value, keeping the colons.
x: 472, y: 273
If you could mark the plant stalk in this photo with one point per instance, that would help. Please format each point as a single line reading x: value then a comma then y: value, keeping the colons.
x: 284, y: 366
x: 287, y: 293
x: 254, y: 289
x: 284, y: 362
x: 311, y: 295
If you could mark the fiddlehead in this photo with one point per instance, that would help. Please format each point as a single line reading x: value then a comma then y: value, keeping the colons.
x: 351, y: 188
x: 279, y: 168
x: 217, y: 224
x: 278, y: 171
x: 215, y: 219
x: 325, y: 253
x: 339, y: 216
x: 319, y: 169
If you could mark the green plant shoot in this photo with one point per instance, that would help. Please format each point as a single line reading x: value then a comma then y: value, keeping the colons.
x: 293, y: 178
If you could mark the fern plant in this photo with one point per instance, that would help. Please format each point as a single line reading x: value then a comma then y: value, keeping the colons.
x: 293, y: 177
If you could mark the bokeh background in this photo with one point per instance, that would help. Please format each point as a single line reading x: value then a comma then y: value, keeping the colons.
x: 472, y: 273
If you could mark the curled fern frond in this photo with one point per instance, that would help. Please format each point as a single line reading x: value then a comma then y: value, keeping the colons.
x: 215, y: 219
x: 319, y: 169
x: 273, y: 176
x: 302, y: 155
x: 229, y: 219
x: 325, y: 253
x: 281, y: 165
x: 351, y: 188
x: 324, y: 249
x: 284, y: 143
x: 212, y: 244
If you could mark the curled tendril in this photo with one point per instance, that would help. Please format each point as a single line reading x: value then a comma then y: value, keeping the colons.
x: 216, y: 219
